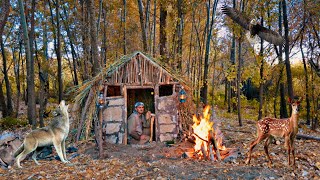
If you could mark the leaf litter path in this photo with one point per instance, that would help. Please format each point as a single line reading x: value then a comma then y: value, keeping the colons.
x: 157, y: 161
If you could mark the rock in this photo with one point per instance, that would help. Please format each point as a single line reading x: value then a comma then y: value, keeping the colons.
x: 304, y: 173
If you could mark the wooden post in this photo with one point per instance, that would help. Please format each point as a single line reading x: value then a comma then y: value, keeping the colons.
x: 99, y: 129
x: 151, y: 127
x: 124, y: 114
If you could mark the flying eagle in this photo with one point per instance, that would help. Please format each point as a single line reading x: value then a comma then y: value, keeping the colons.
x: 252, y: 26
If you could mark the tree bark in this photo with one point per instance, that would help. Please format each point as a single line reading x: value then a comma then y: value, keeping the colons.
x: 17, y: 77
x: 283, y: 104
x: 306, y: 82
x: 5, y: 8
x: 163, y: 34
x: 180, y: 27
x: 6, y: 79
x: 43, y: 76
x: 261, y: 86
x: 57, y: 48
x: 208, y: 40
x: 30, y: 68
x: 154, y: 27
x: 124, y: 27
x: 286, y: 50
x: 73, y: 52
x: 93, y: 39
x: 232, y: 61
x: 3, y: 102
x: 104, y: 41
x: 143, y: 30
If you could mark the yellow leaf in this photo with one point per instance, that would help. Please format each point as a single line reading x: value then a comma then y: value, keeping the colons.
x: 318, y: 165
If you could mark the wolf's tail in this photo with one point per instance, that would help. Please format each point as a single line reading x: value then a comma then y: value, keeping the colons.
x: 19, y: 150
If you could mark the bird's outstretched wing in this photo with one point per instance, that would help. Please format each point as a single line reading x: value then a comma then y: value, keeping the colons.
x: 269, y: 35
x: 236, y: 16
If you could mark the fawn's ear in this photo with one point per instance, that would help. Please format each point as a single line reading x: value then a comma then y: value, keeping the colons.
x: 289, y: 100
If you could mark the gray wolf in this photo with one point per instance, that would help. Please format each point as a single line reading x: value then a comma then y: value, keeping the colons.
x: 54, y: 134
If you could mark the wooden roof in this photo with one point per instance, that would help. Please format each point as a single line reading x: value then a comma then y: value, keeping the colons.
x: 140, y: 69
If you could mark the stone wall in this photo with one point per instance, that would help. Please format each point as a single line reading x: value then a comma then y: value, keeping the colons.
x: 113, y: 124
x: 167, y: 127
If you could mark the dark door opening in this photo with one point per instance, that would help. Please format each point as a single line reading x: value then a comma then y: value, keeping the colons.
x: 142, y: 95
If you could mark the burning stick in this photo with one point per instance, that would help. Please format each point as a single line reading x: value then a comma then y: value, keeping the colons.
x: 211, y: 156
x: 203, y: 151
x: 214, y: 143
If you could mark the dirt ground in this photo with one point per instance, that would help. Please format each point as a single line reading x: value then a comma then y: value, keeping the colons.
x: 159, y: 161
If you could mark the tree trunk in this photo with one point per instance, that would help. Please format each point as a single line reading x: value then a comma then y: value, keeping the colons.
x: 17, y: 77
x: 104, y: 41
x: 286, y: 50
x: 57, y: 48
x: 93, y: 38
x: 6, y: 79
x: 163, y: 34
x: 154, y: 27
x: 239, y: 81
x: 261, y: 87
x: 43, y: 76
x: 143, y: 30
x: 283, y: 104
x: 3, y: 102
x: 124, y: 27
x: 306, y: 82
x: 30, y: 68
x: 85, y: 42
x: 180, y: 27
x: 208, y: 40
x: 147, y: 25
x: 5, y: 8
x: 73, y: 52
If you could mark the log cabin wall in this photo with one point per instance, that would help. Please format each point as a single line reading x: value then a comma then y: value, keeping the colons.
x: 139, y: 71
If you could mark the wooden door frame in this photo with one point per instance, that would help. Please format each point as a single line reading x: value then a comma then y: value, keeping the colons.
x: 125, y: 89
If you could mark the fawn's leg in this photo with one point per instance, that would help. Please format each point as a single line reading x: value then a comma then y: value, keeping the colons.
x: 266, y: 144
x: 292, y: 151
x: 253, y: 144
x: 288, y: 145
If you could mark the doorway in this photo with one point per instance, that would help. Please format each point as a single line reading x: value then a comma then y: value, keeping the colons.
x: 146, y: 96
x: 143, y: 95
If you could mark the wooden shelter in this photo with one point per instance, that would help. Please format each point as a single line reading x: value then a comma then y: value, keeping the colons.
x: 138, y: 77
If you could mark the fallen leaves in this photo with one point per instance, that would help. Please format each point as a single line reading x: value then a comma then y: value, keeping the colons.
x: 126, y: 162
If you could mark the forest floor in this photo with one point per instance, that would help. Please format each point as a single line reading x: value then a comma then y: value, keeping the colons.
x: 159, y: 161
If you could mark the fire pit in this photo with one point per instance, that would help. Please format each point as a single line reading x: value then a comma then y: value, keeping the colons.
x: 208, y: 142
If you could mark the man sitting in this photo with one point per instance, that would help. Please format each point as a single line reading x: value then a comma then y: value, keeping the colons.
x: 139, y: 125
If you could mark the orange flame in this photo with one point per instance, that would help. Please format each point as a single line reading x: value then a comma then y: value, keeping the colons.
x: 201, y: 127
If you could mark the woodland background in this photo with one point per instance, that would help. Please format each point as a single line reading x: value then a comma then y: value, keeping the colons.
x: 48, y: 47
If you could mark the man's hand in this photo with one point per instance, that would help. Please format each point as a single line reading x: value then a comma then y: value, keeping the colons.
x: 144, y: 137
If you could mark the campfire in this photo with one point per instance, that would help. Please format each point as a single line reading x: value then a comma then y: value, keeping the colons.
x: 208, y: 141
